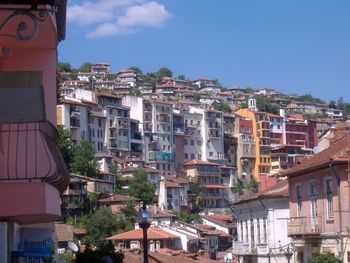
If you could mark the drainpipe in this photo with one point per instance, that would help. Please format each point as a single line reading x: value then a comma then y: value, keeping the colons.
x: 340, y: 213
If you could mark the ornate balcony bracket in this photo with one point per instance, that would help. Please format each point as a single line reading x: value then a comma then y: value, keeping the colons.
x: 27, y: 27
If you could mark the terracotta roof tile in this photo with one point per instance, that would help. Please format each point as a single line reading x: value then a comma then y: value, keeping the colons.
x: 200, y: 162
x: 332, y: 153
x: 153, y: 233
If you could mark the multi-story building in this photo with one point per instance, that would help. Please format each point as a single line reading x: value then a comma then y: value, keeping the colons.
x: 277, y: 126
x: 173, y: 193
x: 73, y: 115
x: 157, y: 131
x: 301, y: 132
x: 193, y: 140
x: 32, y: 171
x: 261, y: 134
x: 179, y: 141
x: 245, y: 147
x: 262, y: 226
x: 319, y: 203
x: 230, y: 141
x: 101, y: 68
x: 211, y: 128
x: 208, y: 174
x: 128, y: 76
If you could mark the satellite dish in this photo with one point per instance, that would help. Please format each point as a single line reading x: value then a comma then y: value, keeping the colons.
x: 73, y: 246
x: 317, y: 149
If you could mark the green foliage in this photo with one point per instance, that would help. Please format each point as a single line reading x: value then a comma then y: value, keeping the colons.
x: 111, y: 77
x: 95, y: 256
x: 248, y: 90
x: 100, y: 225
x: 164, y: 72
x: 221, y: 106
x: 240, y: 187
x: 66, y: 257
x: 265, y: 104
x: 216, y: 82
x: 141, y: 188
x: 65, y: 144
x: 137, y: 70
x: 310, y: 98
x: 196, y: 97
x: 134, y: 91
x: 92, y: 198
x: 64, y: 67
x: 83, y: 161
x: 150, y: 78
x: 190, y: 217
x: 252, y: 185
x: 340, y: 103
x: 86, y: 67
x: 325, y: 258
x: 181, y: 77
x: 332, y: 104
x: 113, y: 168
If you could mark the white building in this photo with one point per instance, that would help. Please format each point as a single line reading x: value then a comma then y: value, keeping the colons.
x: 262, y: 226
x: 173, y: 193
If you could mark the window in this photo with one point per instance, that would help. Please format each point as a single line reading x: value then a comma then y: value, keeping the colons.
x: 265, y: 230
x: 199, y: 157
x: 192, y: 142
x: 192, y: 156
x: 211, y: 153
x: 258, y: 240
x: 186, y: 156
x: 299, y: 200
x: 329, y: 193
x: 199, y: 143
x: 99, y: 123
x: 313, y: 199
x: 185, y: 142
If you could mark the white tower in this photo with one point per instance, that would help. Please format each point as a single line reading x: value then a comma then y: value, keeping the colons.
x: 252, y: 104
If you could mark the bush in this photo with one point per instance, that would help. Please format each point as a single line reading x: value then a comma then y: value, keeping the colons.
x: 325, y: 258
x: 94, y: 256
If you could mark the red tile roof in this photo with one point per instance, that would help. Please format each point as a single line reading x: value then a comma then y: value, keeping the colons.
x: 153, y: 233
x: 212, y: 186
x: 199, y: 162
x: 338, y: 151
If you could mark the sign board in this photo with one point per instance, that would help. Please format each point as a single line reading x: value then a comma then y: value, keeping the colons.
x: 37, y: 242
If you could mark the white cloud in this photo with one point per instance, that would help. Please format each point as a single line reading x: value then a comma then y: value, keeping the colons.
x: 111, y: 17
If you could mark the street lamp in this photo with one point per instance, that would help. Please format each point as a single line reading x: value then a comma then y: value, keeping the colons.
x: 288, y: 252
x: 144, y: 218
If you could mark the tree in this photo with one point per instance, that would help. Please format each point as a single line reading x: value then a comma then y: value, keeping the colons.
x: 65, y: 144
x: 332, y: 104
x: 240, y: 187
x: 164, y: 72
x: 141, y: 188
x: 340, y: 103
x: 190, y: 217
x: 325, y: 258
x: 64, y: 67
x: 150, y: 78
x: 100, y: 225
x: 181, y: 77
x: 137, y: 70
x: 265, y: 104
x: 85, y: 67
x: 221, y: 106
x: 310, y: 98
x: 83, y: 161
x: 252, y: 185
x: 95, y: 256
x: 216, y: 82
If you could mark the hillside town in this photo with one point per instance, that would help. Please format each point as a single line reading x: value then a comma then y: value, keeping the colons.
x: 256, y: 193
x: 132, y: 166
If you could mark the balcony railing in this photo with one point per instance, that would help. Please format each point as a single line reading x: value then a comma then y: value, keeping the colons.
x: 298, y: 226
x: 241, y: 248
x: 161, y: 156
x: 29, y: 152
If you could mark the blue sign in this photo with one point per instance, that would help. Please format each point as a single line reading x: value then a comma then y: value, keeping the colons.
x: 37, y: 242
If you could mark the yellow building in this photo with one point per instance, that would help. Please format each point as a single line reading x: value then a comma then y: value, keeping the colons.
x: 261, y: 133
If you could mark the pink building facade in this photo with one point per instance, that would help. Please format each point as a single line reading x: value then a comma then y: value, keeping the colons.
x: 319, y: 204
x: 32, y: 171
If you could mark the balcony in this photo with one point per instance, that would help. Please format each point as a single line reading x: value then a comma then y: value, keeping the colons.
x: 241, y: 248
x: 301, y: 226
x: 74, y: 123
x: 31, y: 153
x: 160, y: 156
x: 214, y: 135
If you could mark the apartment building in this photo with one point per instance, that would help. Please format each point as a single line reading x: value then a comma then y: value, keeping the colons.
x: 179, y: 141
x: 208, y: 174
x: 173, y: 193
x: 301, y: 132
x: 101, y: 68
x: 73, y: 115
x: 129, y: 77
x: 193, y: 140
x: 157, y: 131
x: 243, y: 131
x: 319, y: 203
x: 230, y: 141
x: 278, y: 129
x: 261, y: 134
x: 211, y: 128
x: 262, y: 226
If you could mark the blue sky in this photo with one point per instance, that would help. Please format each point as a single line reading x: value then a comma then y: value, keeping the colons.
x: 293, y: 46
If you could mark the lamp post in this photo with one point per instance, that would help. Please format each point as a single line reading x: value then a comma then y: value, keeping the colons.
x: 144, y: 218
x: 288, y: 252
